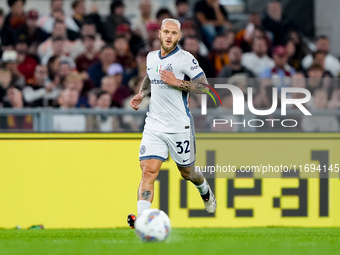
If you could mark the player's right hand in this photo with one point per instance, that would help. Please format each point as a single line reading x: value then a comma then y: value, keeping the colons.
x: 135, y: 101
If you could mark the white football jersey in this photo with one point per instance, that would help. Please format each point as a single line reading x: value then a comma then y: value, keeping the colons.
x: 168, y: 110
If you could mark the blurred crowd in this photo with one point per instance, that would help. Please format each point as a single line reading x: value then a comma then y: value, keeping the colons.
x: 86, y: 60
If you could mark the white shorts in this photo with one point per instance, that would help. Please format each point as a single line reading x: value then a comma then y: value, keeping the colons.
x: 156, y: 145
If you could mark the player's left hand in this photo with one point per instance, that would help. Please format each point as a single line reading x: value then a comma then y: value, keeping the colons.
x: 168, y: 77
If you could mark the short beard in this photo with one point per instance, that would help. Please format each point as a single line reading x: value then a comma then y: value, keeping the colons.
x: 168, y: 49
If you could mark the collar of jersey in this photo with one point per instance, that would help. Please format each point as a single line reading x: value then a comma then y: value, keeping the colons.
x: 171, y: 53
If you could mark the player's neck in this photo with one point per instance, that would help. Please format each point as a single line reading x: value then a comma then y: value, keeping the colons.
x: 164, y: 53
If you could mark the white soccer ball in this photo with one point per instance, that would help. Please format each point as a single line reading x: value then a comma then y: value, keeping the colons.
x: 153, y: 225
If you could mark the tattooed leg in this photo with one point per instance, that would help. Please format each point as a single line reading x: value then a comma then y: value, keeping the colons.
x: 150, y: 169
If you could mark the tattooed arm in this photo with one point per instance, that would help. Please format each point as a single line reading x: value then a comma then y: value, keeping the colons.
x: 145, y: 90
x: 196, y: 86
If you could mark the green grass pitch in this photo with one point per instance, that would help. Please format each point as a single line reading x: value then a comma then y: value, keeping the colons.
x: 262, y: 241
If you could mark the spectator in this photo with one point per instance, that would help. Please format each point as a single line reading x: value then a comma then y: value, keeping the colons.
x: 316, y: 79
x: 118, y: 92
x: 152, y: 29
x: 103, y: 123
x: 219, y: 54
x: 5, y: 81
x: 235, y: 66
x: 80, y: 17
x: 163, y: 13
x: 76, y: 81
x: 59, y: 31
x: 15, y: 100
x: 188, y: 29
x: 52, y: 68
x: 115, y: 19
x: 116, y: 72
x: 79, y: 11
x: 213, y: 19
x: 331, y: 62
x: 139, y: 70
x: 88, y: 29
x: 301, y: 49
x: 64, y: 69
x: 190, y: 44
x: 135, y: 42
x: 291, y: 51
x: 275, y: 22
x: 58, y: 48
x: 281, y: 73
x: 319, y: 58
x: 299, y: 81
x: 124, y: 55
x: 98, y: 70
x: 89, y: 57
x: 68, y: 99
x: 26, y: 64
x: 39, y: 91
x: 139, y: 25
x: 257, y: 60
x: 182, y: 8
x: 245, y: 37
x: 110, y: 85
x: 141, y: 63
x: 46, y: 22
x: 10, y: 62
x: 2, y: 29
x: 14, y: 21
x: 92, y: 97
x: 31, y: 32
x: 320, y: 123
x: 135, y: 123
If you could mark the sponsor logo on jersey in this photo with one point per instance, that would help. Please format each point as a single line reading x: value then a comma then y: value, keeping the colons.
x: 155, y: 81
x: 193, y: 68
x: 194, y: 61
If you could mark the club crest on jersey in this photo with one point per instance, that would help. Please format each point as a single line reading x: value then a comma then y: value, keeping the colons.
x: 169, y: 68
x: 142, y: 150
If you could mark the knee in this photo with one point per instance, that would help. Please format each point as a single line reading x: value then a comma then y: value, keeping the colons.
x: 148, y: 173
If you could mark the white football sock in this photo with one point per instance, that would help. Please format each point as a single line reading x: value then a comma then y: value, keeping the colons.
x: 203, y: 188
x: 143, y: 205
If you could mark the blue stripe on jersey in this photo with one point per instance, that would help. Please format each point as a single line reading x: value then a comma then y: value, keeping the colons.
x: 192, y: 163
x: 171, y: 53
x: 152, y: 157
x: 185, y: 100
x: 198, y: 75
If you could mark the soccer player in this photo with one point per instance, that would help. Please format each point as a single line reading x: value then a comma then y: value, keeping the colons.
x: 171, y: 74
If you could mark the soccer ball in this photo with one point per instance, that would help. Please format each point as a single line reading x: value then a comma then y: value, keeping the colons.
x: 153, y: 225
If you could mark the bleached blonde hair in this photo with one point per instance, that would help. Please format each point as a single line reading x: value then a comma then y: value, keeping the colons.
x: 174, y: 21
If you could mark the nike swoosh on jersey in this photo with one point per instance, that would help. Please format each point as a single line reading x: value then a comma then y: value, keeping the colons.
x: 186, y: 160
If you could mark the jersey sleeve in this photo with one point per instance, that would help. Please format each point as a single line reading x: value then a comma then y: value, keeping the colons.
x: 190, y: 67
x: 147, y: 64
